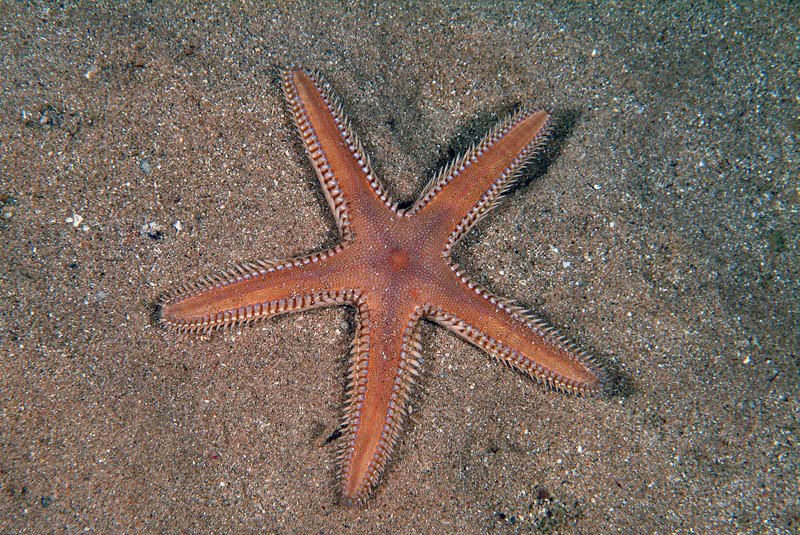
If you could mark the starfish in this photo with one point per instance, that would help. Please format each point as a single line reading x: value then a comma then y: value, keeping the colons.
x: 393, y: 266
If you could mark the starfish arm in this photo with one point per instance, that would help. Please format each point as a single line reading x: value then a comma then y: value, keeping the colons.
x: 257, y: 290
x: 384, y: 366
x: 351, y: 188
x: 469, y: 187
x: 515, y: 336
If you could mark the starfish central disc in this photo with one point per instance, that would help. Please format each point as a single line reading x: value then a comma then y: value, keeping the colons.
x: 398, y: 260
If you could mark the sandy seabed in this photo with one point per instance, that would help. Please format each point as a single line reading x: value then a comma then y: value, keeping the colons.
x: 146, y: 145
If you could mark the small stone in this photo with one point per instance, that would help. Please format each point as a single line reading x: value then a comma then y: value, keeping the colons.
x: 154, y: 230
x: 75, y: 220
x: 91, y: 71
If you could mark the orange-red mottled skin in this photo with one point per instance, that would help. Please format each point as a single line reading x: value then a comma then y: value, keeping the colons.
x: 394, y: 267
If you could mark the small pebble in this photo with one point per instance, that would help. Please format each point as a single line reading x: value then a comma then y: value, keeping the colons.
x: 154, y: 230
x: 93, y: 69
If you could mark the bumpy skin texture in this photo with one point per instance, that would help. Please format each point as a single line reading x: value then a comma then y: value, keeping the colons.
x: 393, y: 267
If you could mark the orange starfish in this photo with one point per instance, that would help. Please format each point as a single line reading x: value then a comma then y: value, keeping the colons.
x: 393, y: 266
